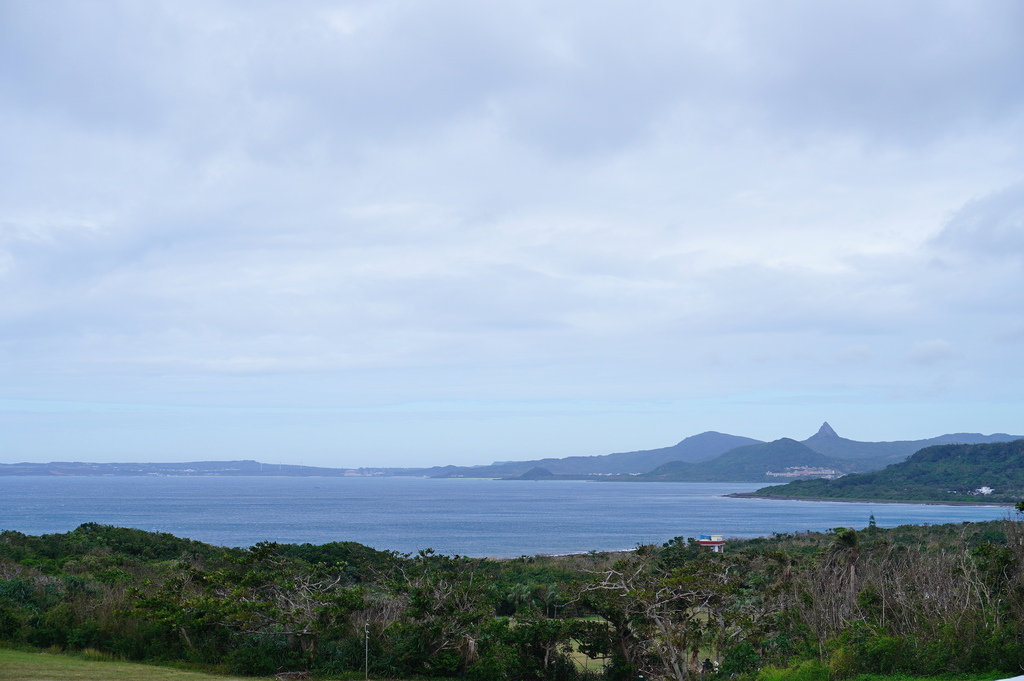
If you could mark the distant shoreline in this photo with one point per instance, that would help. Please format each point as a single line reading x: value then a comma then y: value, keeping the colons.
x: 751, y: 495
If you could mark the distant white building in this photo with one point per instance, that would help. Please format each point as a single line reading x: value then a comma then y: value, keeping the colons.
x: 806, y: 472
x: 984, y: 490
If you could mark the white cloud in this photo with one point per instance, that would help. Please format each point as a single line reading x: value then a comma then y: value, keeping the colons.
x: 991, y: 226
x: 394, y: 201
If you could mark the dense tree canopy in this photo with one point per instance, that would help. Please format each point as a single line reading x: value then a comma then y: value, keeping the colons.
x: 943, y: 473
x: 911, y: 599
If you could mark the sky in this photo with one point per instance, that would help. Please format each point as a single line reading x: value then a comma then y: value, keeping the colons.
x: 399, y: 233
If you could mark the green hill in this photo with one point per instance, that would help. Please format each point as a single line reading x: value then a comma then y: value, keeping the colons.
x: 942, y: 473
x: 751, y: 463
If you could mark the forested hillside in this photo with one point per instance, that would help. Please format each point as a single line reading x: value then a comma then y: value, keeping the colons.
x: 921, y: 600
x: 751, y: 463
x: 944, y: 473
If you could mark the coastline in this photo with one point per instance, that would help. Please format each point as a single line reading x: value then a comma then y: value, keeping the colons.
x: 751, y: 495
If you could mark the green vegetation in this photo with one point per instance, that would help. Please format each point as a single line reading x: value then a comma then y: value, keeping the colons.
x: 924, y: 601
x: 746, y: 464
x: 945, y: 474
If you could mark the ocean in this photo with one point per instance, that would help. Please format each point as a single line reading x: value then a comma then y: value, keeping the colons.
x: 469, y: 517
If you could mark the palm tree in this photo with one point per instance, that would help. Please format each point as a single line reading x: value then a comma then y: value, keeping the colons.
x: 846, y: 547
x: 521, y: 597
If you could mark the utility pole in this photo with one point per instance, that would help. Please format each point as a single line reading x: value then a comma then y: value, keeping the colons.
x: 366, y: 635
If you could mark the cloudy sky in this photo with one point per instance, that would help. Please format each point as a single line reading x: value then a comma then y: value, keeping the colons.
x: 408, y: 233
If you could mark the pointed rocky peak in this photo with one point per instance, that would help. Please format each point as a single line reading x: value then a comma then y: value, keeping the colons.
x: 826, y: 431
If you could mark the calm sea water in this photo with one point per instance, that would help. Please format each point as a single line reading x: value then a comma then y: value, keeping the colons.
x: 455, y: 516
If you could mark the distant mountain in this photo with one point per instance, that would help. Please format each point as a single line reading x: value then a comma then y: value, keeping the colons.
x: 715, y: 449
x: 706, y: 456
x: 876, y: 455
x: 695, y: 448
x: 700, y: 447
x: 987, y: 472
x: 750, y: 463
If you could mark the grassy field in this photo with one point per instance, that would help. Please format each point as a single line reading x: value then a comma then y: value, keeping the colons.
x: 40, y: 666
x: 21, y: 666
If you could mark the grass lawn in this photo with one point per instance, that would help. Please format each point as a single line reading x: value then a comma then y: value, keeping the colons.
x: 20, y: 666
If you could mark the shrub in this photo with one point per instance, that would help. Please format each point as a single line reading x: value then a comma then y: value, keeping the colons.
x: 742, y: 658
x: 809, y: 670
x: 259, y: 660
